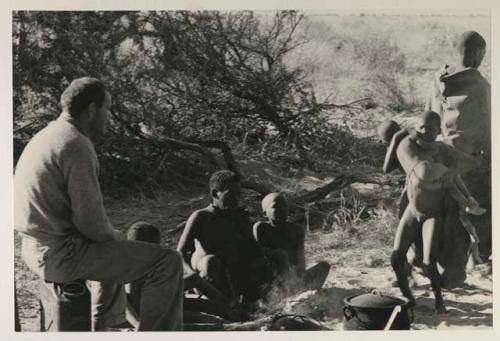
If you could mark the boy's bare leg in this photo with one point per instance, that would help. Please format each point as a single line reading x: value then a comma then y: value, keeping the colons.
x: 430, y: 248
x: 194, y: 281
x: 406, y: 234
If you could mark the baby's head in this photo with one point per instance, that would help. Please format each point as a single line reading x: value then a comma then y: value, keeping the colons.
x: 275, y: 208
x: 144, y: 232
x: 428, y: 126
x: 387, y: 129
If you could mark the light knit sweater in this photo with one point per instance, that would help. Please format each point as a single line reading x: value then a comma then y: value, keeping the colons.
x: 56, y: 187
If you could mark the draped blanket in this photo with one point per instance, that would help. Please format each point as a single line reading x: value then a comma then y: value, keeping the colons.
x: 463, y: 101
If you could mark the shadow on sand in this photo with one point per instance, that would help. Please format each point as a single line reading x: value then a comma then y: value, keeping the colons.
x: 460, y: 314
x: 326, y: 305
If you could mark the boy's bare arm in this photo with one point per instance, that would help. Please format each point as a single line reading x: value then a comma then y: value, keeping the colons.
x: 463, y: 162
x: 186, y: 242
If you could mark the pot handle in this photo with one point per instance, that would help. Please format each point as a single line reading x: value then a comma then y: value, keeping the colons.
x: 349, y: 313
x: 395, y: 311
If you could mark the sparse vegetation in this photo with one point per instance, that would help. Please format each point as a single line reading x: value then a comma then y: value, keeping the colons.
x: 295, y: 97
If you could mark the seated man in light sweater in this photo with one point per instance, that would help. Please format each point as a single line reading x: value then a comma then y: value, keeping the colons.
x: 58, y: 209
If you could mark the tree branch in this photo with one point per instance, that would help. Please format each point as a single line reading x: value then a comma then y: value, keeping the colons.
x: 340, y: 182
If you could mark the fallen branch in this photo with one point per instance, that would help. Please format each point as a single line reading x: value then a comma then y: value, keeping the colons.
x: 340, y: 182
x: 212, y: 307
x: 372, y: 180
x: 201, y: 317
x: 346, y: 105
x: 192, y: 146
x: 248, y: 326
x: 175, y: 143
x: 258, y: 187
x: 226, y: 152
x: 203, y: 327
x: 232, y: 165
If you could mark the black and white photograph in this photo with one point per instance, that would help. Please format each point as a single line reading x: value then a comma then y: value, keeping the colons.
x: 203, y: 170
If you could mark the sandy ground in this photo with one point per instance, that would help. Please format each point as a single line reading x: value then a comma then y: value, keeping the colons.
x: 358, y: 255
x: 364, y: 269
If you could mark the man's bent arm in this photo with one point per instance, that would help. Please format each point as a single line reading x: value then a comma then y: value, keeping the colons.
x: 81, y: 170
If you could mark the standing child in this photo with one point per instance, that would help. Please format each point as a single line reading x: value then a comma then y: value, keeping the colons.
x: 432, y: 172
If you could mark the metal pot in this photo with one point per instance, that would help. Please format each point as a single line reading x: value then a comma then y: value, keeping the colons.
x: 376, y: 311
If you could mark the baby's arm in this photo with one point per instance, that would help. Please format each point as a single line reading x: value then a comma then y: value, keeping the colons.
x: 435, y: 175
x: 461, y: 161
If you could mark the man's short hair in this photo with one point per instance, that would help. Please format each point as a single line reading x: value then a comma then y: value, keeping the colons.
x: 221, y: 180
x: 469, y: 44
x: 144, y: 232
x: 469, y: 41
x: 81, y: 93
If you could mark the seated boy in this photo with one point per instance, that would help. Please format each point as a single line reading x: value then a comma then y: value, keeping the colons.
x: 217, y: 243
x: 429, y: 178
x: 217, y: 302
x: 142, y: 232
x: 280, y: 235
